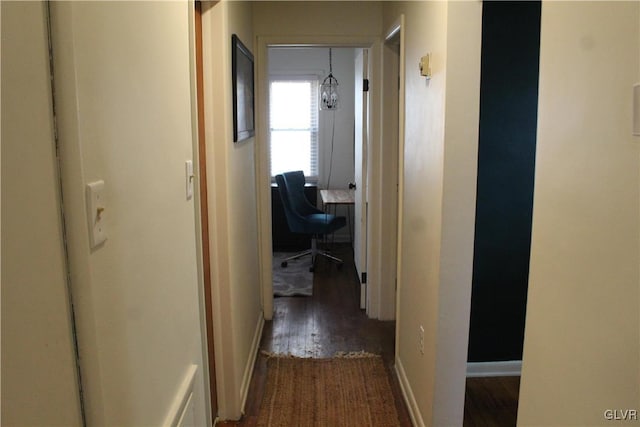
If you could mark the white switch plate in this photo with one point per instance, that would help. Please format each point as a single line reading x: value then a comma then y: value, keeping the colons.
x: 96, y: 213
x: 636, y: 109
x: 425, y: 66
x: 189, y: 177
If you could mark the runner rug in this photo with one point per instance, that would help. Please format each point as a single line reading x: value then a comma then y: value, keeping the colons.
x: 344, y: 391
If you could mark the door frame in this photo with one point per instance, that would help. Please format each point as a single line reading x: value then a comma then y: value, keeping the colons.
x: 263, y: 179
x: 396, y: 64
x: 202, y: 207
x: 361, y: 177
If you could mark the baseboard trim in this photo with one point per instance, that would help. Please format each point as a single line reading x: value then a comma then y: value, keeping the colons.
x: 251, y: 361
x: 181, y: 401
x: 407, y: 394
x: 509, y: 368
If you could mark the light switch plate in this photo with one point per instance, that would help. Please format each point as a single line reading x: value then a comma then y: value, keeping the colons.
x: 188, y: 168
x: 425, y: 66
x: 636, y: 109
x: 96, y: 213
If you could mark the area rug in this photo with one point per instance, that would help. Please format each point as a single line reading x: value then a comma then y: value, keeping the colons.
x: 346, y: 391
x: 295, y: 279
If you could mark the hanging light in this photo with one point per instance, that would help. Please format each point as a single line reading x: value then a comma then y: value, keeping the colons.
x: 329, y: 90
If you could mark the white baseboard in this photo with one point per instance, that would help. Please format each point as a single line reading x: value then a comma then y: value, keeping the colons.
x: 251, y: 361
x: 409, y: 398
x: 181, y: 407
x: 510, y: 368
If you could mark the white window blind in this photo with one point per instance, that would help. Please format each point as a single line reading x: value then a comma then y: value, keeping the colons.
x: 293, y: 127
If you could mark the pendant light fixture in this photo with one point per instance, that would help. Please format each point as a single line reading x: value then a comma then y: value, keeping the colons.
x: 329, y: 90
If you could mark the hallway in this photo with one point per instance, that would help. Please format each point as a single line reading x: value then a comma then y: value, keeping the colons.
x: 129, y: 312
x: 330, y: 321
x: 319, y: 326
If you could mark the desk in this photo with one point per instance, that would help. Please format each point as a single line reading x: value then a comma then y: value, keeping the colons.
x: 339, y: 197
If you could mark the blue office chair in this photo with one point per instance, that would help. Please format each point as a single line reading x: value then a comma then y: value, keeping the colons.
x: 304, y: 218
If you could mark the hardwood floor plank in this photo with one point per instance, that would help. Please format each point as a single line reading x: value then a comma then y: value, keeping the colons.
x: 491, y: 402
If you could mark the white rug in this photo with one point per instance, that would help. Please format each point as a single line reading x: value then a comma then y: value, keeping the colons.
x: 295, y: 279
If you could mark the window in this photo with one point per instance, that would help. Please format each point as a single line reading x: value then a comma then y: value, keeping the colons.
x: 293, y: 125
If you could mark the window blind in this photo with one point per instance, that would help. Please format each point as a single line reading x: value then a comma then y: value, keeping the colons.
x: 293, y: 125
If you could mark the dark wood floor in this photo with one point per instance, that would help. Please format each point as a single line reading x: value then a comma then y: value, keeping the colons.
x: 491, y: 402
x: 331, y: 321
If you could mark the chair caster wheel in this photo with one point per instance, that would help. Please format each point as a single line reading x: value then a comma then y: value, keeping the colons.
x: 340, y: 266
x: 284, y: 264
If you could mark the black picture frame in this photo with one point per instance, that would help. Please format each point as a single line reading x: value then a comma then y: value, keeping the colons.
x: 243, y: 90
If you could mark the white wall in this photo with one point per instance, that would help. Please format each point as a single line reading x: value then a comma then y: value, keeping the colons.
x: 315, y: 61
x: 438, y: 204
x: 581, y: 349
x: 462, y: 113
x: 123, y: 85
x: 39, y: 384
x: 233, y: 211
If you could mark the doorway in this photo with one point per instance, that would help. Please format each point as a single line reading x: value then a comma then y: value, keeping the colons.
x: 329, y: 146
x: 302, y: 136
x: 504, y: 208
x: 333, y: 164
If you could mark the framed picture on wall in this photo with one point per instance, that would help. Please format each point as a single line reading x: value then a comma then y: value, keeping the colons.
x: 243, y: 95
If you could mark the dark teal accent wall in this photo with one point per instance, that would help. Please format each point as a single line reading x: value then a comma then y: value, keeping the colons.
x: 506, y: 165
